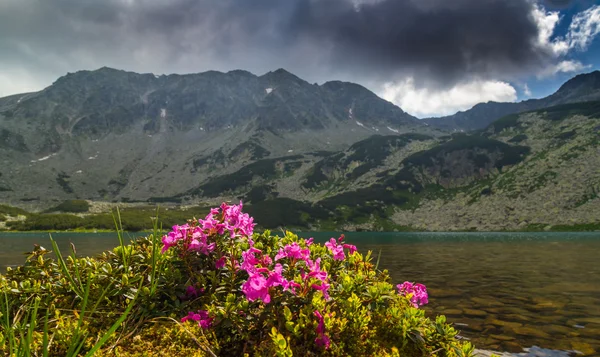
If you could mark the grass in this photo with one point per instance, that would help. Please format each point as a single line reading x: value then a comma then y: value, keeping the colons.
x: 26, y: 308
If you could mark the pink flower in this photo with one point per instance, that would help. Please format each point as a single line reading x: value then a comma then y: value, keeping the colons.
x: 309, y: 241
x: 324, y: 288
x: 322, y: 339
x: 351, y: 248
x: 417, y: 293
x: 249, y: 259
x: 315, y: 270
x: 256, y: 287
x: 276, y: 278
x: 335, y: 249
x: 201, y: 317
x: 220, y: 264
x: 177, y: 233
x: 168, y: 242
x: 293, y: 251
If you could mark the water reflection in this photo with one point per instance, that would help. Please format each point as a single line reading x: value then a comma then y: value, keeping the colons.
x: 504, y: 292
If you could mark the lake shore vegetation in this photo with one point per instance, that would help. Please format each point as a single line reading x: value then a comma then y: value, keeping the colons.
x: 214, y: 287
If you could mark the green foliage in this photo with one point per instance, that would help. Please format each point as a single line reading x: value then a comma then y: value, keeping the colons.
x: 215, y: 159
x: 260, y: 193
x: 509, y: 121
x: 256, y: 151
x: 518, y: 138
x: 71, y: 206
x: 165, y: 199
x: 123, y: 302
x: 566, y: 135
x: 46, y: 222
x: 285, y: 212
x: 583, y: 227
x: 84, y: 303
x: 12, y: 211
x: 134, y: 220
x: 364, y: 317
x: 316, y: 175
x: 369, y: 154
x: 265, y: 169
x: 561, y: 112
x: 62, y: 179
x: 437, y: 156
x: 11, y: 140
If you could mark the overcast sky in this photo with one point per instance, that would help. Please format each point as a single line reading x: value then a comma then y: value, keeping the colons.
x: 430, y: 57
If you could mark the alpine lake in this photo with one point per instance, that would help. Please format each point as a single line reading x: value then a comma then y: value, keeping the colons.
x: 527, y: 294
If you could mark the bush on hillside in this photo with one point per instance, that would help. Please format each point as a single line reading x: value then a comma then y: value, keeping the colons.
x: 71, y: 206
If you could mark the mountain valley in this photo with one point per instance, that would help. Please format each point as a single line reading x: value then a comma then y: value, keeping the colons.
x: 320, y: 157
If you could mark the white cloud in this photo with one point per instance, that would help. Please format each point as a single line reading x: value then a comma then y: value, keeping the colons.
x: 526, y: 90
x: 546, y: 22
x: 584, y: 27
x: 423, y: 102
x: 567, y: 66
x: 15, y: 81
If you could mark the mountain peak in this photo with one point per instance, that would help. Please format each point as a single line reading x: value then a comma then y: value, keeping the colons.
x: 281, y: 75
x: 582, y: 82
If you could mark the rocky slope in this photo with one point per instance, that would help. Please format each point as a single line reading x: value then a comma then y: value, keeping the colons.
x: 325, y: 157
x: 115, y: 135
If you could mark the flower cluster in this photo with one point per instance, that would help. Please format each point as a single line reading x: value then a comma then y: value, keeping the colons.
x: 262, y: 278
x: 417, y: 293
x: 223, y: 241
x: 201, y: 237
x: 201, y: 317
x: 338, y: 249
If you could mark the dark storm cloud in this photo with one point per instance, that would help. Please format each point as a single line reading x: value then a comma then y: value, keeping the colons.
x: 445, y: 40
x: 437, y: 41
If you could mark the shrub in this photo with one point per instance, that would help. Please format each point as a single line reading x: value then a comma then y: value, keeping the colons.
x: 249, y: 294
x: 284, y: 296
x: 72, y: 206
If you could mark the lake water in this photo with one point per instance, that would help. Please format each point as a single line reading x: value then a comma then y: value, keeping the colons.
x: 503, y: 291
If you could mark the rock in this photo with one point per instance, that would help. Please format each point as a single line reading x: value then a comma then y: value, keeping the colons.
x: 502, y: 337
x: 511, y: 346
x: 559, y: 330
x: 531, y: 332
x: 480, y: 301
x: 510, y: 324
x: 583, y: 347
x: 451, y: 312
x: 476, y: 313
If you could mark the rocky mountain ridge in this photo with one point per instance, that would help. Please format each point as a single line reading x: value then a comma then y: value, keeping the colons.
x: 324, y: 157
x: 581, y: 88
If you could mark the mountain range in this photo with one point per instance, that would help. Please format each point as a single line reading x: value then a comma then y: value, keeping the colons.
x: 330, y: 156
x: 581, y: 88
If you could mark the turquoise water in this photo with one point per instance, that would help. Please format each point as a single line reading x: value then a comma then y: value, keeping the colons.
x: 503, y: 291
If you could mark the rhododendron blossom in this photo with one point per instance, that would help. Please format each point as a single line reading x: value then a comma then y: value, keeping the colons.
x: 201, y: 317
x: 416, y: 292
x: 322, y: 339
x: 220, y: 246
x: 335, y: 249
x: 256, y: 287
